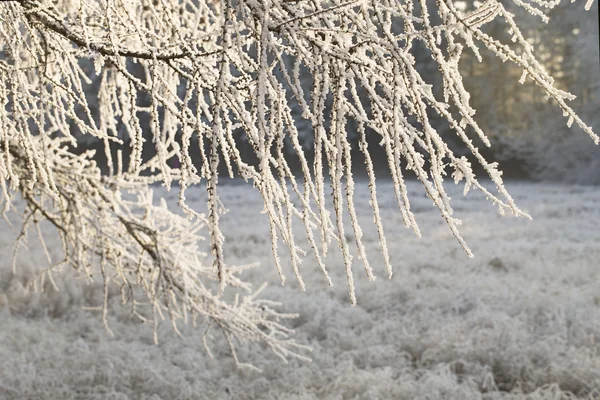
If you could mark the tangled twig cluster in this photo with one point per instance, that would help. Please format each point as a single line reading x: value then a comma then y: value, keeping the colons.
x: 189, y: 73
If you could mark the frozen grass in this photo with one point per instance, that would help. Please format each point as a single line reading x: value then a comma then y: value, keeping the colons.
x: 520, y: 321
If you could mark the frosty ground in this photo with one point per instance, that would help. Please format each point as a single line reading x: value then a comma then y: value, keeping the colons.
x: 520, y: 320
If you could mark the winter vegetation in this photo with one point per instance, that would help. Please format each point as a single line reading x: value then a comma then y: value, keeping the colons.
x: 519, y: 321
x: 106, y: 102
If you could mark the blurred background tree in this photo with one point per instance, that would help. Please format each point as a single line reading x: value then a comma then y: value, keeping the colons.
x: 529, y: 137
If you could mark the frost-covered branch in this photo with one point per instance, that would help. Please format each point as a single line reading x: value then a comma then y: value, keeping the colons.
x: 110, y: 226
x: 189, y: 74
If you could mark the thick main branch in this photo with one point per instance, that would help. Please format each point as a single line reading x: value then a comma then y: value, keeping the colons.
x: 60, y: 27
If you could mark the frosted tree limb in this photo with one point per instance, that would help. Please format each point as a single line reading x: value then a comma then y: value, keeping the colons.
x: 189, y: 75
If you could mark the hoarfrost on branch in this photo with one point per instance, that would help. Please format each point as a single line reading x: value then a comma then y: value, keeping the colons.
x: 194, y: 74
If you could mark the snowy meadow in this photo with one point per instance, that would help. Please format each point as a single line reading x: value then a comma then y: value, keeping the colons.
x: 519, y: 321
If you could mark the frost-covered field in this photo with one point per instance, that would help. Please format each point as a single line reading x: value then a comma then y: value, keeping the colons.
x: 521, y: 320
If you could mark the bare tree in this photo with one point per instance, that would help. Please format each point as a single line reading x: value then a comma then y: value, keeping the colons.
x: 191, y: 75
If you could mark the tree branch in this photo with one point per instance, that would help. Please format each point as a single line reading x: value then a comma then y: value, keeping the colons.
x: 62, y: 29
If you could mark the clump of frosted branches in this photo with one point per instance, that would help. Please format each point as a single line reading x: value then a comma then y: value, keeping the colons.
x: 147, y: 251
x: 213, y: 69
